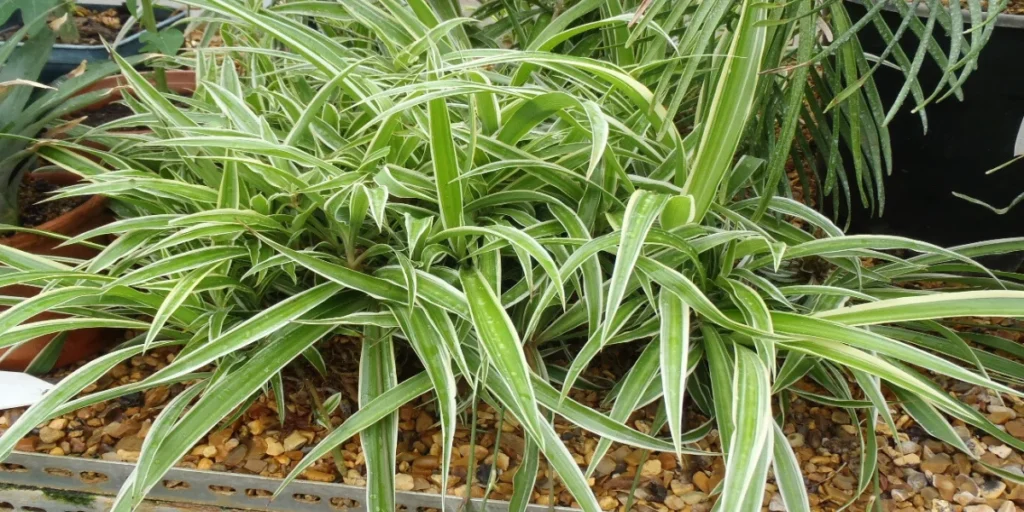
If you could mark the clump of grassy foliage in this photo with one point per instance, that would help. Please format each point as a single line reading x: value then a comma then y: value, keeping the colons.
x: 489, y: 187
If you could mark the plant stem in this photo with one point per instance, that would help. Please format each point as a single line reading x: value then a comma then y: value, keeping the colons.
x: 149, y: 23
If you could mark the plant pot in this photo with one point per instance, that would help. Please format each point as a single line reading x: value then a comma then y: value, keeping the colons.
x: 66, y: 57
x: 181, y: 81
x: 80, y: 343
x: 964, y: 140
x: 88, y: 215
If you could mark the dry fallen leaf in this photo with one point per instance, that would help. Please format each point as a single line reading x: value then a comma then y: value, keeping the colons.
x: 109, y: 18
x: 79, y: 70
x: 21, y: 81
x: 56, y: 24
x: 57, y: 131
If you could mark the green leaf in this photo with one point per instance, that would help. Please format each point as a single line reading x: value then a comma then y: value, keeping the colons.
x: 167, y: 41
x: 431, y: 351
x: 752, y: 437
x: 504, y: 350
x: 446, y: 168
x: 787, y: 473
x: 377, y: 374
x: 729, y: 109
x: 258, y: 326
x: 674, y: 343
x: 641, y: 212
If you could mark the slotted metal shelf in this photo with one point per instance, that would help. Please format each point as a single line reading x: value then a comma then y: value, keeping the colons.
x: 188, y: 486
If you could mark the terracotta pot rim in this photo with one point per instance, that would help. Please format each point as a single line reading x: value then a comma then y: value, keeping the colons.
x: 90, y: 207
x: 178, y: 80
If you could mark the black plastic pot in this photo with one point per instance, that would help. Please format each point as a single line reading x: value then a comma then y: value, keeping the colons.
x: 66, y: 57
x: 964, y: 140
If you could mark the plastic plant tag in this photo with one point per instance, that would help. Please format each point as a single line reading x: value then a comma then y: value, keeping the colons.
x: 1018, y: 148
x: 21, y: 390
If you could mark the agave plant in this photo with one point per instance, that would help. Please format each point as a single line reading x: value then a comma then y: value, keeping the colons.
x: 482, y: 189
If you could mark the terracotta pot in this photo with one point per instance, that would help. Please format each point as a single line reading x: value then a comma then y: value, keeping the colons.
x: 181, y: 81
x: 81, y: 343
x: 88, y: 215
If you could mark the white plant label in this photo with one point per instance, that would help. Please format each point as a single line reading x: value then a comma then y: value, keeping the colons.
x: 1018, y: 148
x: 21, y: 390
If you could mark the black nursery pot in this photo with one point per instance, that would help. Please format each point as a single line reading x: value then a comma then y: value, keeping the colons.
x: 964, y: 140
x: 66, y: 57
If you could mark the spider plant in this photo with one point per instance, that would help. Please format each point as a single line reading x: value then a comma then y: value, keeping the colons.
x: 496, y: 190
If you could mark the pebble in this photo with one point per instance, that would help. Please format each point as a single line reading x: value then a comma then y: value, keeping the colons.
x: 404, y: 482
x: 256, y: 426
x: 1002, y: 451
x: 840, y: 417
x: 605, y: 466
x: 609, y: 503
x: 945, y: 484
x: 776, y: 504
x: 900, y: 495
x: 936, y: 464
x: 979, y: 508
x: 796, y: 439
x: 424, y: 422
x: 675, y: 502
x: 963, y: 498
x: 917, y: 481
x: 274, y: 447
x: 701, y: 480
x: 50, y: 435
x: 694, y: 497
x: 991, y: 489
x: 1007, y: 506
x: 156, y: 396
x: 58, y: 424
x: 679, y: 488
x: 651, y: 468
x: 844, y: 482
x: 255, y: 465
x: 929, y: 494
x: 294, y: 441
x: 942, y: 506
x: 236, y: 456
x: 967, y: 484
x: 1016, y: 428
x: 909, y: 447
x: 129, y: 444
x: 999, y: 414
x: 318, y: 476
x: 910, y: 459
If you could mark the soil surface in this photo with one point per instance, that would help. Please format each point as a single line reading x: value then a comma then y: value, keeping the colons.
x: 93, y: 26
x: 33, y: 212
x: 917, y: 472
x: 110, y: 112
